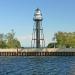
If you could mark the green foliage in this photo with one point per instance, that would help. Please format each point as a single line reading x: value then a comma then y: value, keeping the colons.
x: 2, y: 41
x: 65, y: 39
x: 9, y: 41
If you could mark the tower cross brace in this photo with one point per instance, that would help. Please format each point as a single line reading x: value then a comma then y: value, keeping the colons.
x: 38, y: 36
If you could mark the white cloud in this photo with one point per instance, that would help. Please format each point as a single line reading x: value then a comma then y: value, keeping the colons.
x: 25, y: 40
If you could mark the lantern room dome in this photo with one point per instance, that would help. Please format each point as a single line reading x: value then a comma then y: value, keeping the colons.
x: 37, y: 15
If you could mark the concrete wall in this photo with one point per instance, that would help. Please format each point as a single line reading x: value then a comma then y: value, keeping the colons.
x: 40, y: 50
x: 8, y: 50
x: 61, y: 49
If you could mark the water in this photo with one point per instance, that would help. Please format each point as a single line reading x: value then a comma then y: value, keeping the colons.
x: 41, y: 65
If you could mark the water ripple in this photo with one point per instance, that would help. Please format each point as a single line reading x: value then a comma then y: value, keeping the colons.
x: 40, y: 65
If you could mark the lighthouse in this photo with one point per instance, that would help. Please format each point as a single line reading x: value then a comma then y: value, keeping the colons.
x: 38, y: 36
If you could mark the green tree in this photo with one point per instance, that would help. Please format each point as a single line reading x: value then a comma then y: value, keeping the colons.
x: 60, y: 38
x: 16, y: 43
x: 12, y: 42
x: 2, y: 41
x: 65, y: 39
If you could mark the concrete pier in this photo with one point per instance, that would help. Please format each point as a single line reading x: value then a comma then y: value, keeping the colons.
x: 38, y: 52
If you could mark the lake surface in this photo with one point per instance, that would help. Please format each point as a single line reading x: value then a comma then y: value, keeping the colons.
x: 38, y: 65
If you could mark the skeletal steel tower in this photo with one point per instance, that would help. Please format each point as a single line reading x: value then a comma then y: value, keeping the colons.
x: 38, y: 36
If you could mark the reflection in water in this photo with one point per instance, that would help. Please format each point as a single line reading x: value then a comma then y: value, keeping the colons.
x: 40, y: 65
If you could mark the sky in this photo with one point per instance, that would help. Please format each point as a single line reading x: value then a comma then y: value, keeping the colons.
x: 58, y: 15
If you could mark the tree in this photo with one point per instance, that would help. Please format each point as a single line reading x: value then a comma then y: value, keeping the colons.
x: 9, y: 40
x: 12, y: 42
x: 2, y: 41
x: 16, y: 43
x: 65, y: 39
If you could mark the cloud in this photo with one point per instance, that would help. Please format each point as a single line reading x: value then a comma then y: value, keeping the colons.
x: 25, y: 40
